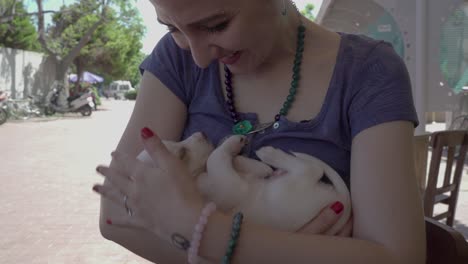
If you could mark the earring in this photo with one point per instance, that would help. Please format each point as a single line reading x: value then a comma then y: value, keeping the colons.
x: 284, y: 12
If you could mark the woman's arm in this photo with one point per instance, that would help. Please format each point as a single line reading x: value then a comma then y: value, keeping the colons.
x: 388, y: 216
x: 159, y: 109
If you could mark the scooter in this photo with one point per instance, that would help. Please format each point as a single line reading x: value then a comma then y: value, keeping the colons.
x: 3, y: 108
x: 82, y: 103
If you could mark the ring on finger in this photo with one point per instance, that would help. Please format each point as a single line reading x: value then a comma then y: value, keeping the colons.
x: 129, y: 211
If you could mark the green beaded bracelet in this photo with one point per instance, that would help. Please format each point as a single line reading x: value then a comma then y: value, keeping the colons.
x: 236, y: 225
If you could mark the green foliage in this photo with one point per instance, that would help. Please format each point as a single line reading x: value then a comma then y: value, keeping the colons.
x: 96, y: 95
x: 133, y: 74
x: 307, y: 12
x: 113, y: 49
x: 19, y: 33
x: 131, y: 95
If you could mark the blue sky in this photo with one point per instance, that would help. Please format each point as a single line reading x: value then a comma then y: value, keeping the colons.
x: 154, y: 31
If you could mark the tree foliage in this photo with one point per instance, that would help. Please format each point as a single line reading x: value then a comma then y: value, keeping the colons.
x: 111, y: 47
x: 101, y: 36
x: 307, y: 12
x: 18, y: 30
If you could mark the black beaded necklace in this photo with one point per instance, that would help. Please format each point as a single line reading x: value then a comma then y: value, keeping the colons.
x: 244, y: 127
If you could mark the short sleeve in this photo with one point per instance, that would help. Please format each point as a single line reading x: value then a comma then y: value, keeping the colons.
x: 173, y: 66
x: 381, y: 91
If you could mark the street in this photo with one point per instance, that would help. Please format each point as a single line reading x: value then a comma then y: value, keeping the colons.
x: 48, y: 212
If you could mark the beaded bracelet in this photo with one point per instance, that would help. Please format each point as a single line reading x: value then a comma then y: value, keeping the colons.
x: 197, y: 234
x: 236, y: 226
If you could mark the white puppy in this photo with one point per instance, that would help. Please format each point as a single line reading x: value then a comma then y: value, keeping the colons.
x: 284, y: 199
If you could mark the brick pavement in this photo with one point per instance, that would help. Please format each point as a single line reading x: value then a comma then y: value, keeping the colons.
x: 48, y: 212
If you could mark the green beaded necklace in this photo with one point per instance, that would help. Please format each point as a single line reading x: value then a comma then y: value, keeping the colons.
x: 244, y: 127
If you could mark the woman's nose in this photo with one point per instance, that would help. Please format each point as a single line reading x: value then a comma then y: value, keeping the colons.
x: 203, y: 53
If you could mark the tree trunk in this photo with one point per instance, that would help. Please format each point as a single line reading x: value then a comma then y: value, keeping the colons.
x: 79, y: 69
x: 64, y: 63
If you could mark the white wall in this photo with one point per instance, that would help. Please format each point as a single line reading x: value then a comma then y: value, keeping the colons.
x: 420, y: 23
x: 24, y: 73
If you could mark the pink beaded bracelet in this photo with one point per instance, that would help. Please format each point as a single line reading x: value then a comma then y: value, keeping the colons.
x: 197, y: 233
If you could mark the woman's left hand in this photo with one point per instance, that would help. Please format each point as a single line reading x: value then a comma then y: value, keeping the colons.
x: 155, y: 198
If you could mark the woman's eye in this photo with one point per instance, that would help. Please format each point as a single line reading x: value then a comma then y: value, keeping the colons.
x: 218, y: 28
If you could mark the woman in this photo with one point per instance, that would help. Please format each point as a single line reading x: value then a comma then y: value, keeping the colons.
x: 261, y: 69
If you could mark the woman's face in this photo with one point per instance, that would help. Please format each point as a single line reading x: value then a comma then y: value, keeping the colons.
x: 239, y: 33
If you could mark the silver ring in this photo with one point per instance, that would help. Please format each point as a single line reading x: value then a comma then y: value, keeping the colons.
x: 125, y: 198
x: 129, y: 211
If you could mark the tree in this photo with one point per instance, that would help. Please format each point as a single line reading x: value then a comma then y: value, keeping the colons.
x: 307, y: 12
x: 114, y: 47
x: 19, y: 32
x: 8, y: 11
x: 63, y: 42
x: 133, y: 74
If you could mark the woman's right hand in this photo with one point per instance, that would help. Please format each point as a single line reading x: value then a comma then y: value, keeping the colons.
x: 326, y: 219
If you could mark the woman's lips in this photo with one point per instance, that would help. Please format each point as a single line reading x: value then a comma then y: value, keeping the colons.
x: 231, y: 59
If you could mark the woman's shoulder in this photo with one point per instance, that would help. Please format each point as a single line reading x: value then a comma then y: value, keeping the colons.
x: 173, y: 66
x: 361, y: 51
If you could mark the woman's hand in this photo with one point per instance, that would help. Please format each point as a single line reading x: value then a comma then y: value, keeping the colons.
x: 326, y: 219
x: 155, y: 198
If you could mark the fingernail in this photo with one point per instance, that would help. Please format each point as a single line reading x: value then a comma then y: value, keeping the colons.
x: 337, y: 207
x: 109, y: 222
x: 96, y: 189
x: 147, y: 133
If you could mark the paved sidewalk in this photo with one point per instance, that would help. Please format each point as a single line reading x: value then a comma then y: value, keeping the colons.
x: 48, y: 212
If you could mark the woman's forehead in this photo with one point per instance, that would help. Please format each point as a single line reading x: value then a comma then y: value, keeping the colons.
x: 187, y: 11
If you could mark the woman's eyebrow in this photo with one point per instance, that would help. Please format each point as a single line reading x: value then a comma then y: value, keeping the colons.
x: 202, y: 21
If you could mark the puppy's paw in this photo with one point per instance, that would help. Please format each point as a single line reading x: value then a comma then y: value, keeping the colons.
x: 272, y: 156
x: 279, y: 159
x: 232, y: 145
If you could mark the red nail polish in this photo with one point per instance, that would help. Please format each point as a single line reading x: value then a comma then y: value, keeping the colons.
x: 96, y: 189
x: 147, y: 133
x: 109, y: 222
x: 337, y: 207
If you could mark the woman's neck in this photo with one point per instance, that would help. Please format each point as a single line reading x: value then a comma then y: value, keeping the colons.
x: 284, y: 50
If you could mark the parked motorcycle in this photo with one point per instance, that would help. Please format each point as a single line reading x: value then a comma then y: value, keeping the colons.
x: 82, y: 103
x: 3, y: 106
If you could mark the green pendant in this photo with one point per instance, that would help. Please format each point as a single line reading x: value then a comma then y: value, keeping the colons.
x: 242, y: 128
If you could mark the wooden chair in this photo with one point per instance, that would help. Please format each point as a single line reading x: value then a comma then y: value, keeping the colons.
x: 444, y: 244
x: 454, y: 144
x: 421, y: 149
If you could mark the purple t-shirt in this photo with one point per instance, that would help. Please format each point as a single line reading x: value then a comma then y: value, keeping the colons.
x: 370, y: 85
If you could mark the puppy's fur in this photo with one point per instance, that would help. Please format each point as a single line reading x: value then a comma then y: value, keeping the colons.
x: 284, y: 199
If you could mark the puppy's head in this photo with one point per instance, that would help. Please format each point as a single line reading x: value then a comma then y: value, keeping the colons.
x: 193, y: 151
